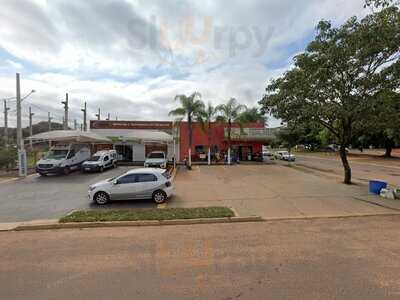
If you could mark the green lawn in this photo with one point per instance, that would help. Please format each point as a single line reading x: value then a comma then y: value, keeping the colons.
x: 108, y: 215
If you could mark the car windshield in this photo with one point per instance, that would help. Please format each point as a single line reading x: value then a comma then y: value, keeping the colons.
x: 156, y: 155
x: 56, y: 154
x: 94, y: 158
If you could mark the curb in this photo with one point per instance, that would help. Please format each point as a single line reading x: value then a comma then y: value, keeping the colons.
x: 136, y: 223
x: 328, y: 217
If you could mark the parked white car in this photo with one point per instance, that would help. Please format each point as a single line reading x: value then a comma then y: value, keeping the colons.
x: 144, y: 183
x: 156, y: 159
x: 62, y: 159
x: 267, y: 155
x: 100, y: 161
x: 285, y: 155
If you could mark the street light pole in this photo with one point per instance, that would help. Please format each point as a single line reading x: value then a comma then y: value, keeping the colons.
x: 31, y: 114
x: 65, y: 123
x: 84, y: 117
x: 98, y: 115
x: 22, y: 164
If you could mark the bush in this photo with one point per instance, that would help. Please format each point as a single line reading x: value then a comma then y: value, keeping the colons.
x: 8, y: 158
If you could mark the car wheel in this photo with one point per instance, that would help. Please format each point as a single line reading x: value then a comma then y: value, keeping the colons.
x: 101, y: 198
x: 101, y: 169
x: 159, y: 197
x: 66, y: 170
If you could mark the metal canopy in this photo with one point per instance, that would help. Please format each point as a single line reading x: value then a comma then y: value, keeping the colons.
x: 70, y: 136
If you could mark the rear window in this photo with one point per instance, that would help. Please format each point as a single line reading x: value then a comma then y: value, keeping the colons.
x: 156, y: 155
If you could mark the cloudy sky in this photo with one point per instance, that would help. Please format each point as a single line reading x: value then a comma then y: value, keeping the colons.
x: 131, y: 57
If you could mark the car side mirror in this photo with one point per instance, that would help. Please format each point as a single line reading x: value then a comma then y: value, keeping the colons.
x: 115, y: 181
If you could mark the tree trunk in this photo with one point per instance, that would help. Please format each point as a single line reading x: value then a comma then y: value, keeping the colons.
x: 190, y: 140
x: 346, y: 165
x: 389, y: 147
x: 209, y: 143
x: 229, y: 141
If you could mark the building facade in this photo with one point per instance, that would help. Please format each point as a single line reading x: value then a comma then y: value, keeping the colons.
x: 246, y: 140
x: 134, y: 140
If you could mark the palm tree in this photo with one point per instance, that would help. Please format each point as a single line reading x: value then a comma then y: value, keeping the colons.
x: 205, y: 118
x: 251, y: 115
x: 191, y: 106
x: 229, y: 113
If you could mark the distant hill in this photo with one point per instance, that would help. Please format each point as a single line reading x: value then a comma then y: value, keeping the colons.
x: 36, y: 128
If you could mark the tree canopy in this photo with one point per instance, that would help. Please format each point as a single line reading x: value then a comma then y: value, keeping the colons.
x: 337, y: 80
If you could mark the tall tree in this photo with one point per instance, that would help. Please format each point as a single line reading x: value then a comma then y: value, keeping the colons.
x: 252, y: 115
x: 381, y: 3
x: 191, y: 107
x: 229, y: 113
x: 206, y: 117
x: 335, y: 82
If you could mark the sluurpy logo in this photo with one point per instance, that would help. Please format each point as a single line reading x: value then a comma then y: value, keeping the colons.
x: 192, y: 41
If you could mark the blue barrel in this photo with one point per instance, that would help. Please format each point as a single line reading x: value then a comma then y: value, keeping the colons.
x: 375, y: 186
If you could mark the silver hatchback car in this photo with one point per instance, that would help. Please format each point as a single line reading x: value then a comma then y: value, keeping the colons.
x: 144, y: 183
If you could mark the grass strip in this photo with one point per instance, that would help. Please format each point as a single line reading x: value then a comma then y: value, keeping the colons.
x: 109, y: 215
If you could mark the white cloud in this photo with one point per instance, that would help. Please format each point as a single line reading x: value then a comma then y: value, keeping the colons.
x: 132, y: 57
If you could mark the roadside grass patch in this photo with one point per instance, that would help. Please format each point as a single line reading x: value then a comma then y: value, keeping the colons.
x: 151, y: 214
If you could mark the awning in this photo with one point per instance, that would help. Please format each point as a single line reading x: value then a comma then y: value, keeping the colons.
x: 70, y: 136
x: 135, y: 135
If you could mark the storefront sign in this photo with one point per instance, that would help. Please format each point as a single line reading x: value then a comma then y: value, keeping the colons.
x: 95, y: 124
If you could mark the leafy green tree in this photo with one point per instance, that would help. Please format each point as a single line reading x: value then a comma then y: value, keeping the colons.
x: 229, y: 113
x: 191, y: 107
x: 335, y: 82
x: 206, y: 117
x: 383, y: 127
x: 290, y: 136
x: 252, y: 115
x: 381, y: 3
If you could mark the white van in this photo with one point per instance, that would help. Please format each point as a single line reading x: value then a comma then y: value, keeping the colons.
x: 100, y: 161
x: 62, y: 159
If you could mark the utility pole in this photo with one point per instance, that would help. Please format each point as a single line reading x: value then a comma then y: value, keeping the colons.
x: 22, y: 164
x: 98, y: 115
x: 75, y: 125
x: 65, y: 123
x: 108, y: 117
x: 31, y: 114
x: 84, y: 110
x: 6, y: 109
x: 49, y: 118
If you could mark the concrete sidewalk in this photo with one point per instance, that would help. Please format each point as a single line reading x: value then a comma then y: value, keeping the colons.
x: 273, y: 191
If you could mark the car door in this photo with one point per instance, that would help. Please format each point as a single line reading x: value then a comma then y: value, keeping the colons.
x: 124, y: 188
x: 146, y: 185
x: 106, y: 161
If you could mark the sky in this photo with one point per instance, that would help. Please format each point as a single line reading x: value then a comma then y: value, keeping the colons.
x: 131, y: 57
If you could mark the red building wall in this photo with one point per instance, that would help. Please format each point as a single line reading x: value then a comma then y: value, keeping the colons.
x: 200, y: 137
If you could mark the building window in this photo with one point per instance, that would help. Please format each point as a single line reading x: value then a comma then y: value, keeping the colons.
x: 200, y: 149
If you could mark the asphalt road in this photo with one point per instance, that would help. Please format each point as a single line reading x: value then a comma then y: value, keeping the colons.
x: 363, y: 168
x: 356, y: 258
x: 36, y: 197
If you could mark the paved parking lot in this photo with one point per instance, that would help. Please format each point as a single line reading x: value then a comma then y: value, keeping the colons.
x: 272, y: 191
x: 51, y: 197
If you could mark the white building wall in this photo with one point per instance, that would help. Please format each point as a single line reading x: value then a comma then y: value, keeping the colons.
x: 139, y: 152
